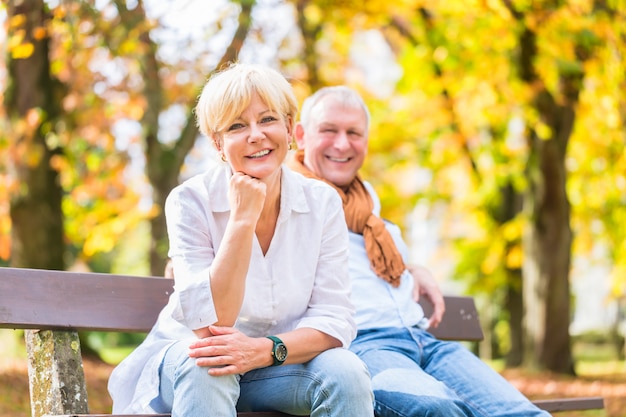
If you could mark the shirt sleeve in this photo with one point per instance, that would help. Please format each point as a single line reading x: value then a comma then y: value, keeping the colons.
x: 191, y: 251
x: 330, y: 309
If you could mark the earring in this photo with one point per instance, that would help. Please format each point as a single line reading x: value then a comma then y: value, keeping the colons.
x: 289, y: 146
x: 223, y: 157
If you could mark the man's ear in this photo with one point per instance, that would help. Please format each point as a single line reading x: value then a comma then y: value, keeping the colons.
x: 298, y: 134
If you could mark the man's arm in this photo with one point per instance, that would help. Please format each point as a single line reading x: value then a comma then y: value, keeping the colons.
x: 426, y: 285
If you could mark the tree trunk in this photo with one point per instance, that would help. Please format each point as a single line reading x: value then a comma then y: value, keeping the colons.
x: 547, y: 238
x: 36, y: 212
x: 311, y: 31
x: 548, y: 235
x: 514, y: 304
x: 35, y: 209
x: 547, y: 245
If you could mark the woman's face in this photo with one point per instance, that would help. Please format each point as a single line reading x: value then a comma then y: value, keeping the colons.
x: 256, y: 143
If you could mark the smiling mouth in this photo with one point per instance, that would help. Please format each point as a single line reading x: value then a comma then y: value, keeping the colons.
x: 260, y: 154
x: 338, y: 159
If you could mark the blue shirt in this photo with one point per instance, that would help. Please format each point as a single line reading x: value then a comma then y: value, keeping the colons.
x: 377, y: 303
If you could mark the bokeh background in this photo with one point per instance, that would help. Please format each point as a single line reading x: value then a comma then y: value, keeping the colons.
x: 497, y: 144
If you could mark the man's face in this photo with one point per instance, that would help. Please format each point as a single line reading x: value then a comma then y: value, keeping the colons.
x: 335, y: 141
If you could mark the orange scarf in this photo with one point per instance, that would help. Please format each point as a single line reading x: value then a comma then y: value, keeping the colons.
x: 381, y: 250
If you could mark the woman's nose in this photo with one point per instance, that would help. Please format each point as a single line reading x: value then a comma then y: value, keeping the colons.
x: 256, y: 133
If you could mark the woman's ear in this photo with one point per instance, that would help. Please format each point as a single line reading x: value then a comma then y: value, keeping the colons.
x: 217, y: 142
x: 289, y: 124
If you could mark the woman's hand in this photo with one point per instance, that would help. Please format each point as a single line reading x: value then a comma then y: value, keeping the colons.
x: 246, y: 196
x: 228, y: 351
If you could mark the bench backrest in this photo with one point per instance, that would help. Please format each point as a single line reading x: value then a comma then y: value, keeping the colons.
x: 42, y: 299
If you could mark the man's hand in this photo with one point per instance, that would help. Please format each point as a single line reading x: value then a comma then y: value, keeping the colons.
x: 425, y: 284
x: 228, y: 351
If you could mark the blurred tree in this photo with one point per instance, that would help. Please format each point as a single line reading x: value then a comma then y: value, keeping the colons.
x: 165, y: 160
x: 467, y: 116
x: 116, y: 78
x: 474, y: 106
x: 32, y: 105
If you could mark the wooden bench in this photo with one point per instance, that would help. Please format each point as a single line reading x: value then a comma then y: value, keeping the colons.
x: 57, y: 304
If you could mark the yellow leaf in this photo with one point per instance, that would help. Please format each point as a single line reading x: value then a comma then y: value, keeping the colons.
x: 22, y: 51
x: 17, y: 20
x: 514, y: 257
x: 543, y: 131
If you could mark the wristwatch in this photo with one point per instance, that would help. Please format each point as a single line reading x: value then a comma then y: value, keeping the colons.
x: 279, y: 351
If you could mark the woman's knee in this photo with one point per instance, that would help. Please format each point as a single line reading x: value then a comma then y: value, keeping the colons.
x: 182, y: 378
x: 344, y: 370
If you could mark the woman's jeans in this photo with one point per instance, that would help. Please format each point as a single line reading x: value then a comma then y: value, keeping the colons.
x: 414, y: 375
x: 334, y: 383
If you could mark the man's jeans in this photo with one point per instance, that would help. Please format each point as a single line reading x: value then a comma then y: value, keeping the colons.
x: 335, y: 383
x: 414, y: 374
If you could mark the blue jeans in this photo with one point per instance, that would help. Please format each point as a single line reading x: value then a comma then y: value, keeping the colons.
x: 414, y: 375
x: 334, y: 383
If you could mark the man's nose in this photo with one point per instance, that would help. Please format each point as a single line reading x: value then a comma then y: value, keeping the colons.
x: 342, y: 141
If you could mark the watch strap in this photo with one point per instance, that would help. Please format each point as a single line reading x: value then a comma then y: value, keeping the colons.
x: 277, y: 343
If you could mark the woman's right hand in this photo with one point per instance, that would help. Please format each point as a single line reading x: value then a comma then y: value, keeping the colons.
x: 246, y: 196
x: 228, y: 351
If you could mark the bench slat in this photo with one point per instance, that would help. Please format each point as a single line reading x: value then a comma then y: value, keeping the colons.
x: 552, y: 406
x: 244, y: 414
x: 106, y: 302
x: 80, y: 301
x: 571, y: 404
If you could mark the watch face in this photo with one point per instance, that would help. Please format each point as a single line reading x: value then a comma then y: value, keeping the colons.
x: 281, y: 352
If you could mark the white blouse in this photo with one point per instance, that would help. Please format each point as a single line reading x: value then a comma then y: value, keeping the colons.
x: 302, y: 280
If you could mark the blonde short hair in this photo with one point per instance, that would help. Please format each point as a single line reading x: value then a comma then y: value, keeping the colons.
x: 228, y: 92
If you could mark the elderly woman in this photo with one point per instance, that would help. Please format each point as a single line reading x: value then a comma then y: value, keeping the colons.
x: 261, y: 313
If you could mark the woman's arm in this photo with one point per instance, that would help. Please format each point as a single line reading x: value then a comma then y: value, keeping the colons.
x: 230, y: 267
x: 211, y: 257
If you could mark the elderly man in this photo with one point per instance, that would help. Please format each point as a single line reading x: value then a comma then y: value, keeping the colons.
x: 413, y: 373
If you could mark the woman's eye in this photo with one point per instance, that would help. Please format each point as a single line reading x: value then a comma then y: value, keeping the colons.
x: 268, y: 119
x: 235, y: 126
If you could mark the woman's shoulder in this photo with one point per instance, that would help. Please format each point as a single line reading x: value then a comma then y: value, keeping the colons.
x: 312, y: 185
x: 210, y: 183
